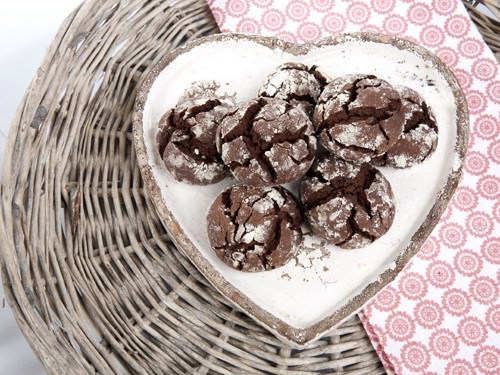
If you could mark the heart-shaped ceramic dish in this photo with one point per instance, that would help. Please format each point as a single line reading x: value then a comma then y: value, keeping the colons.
x: 324, y: 285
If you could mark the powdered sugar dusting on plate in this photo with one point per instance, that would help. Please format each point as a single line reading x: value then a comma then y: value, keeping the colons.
x: 333, y: 282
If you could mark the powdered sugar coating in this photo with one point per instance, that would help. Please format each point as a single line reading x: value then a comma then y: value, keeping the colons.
x: 186, y: 134
x: 266, y: 142
x: 205, y: 89
x: 348, y: 205
x: 254, y: 228
x: 420, y: 135
x: 330, y: 220
x: 358, y: 117
x: 296, y: 83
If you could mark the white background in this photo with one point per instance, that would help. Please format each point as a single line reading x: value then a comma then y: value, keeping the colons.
x: 26, y: 29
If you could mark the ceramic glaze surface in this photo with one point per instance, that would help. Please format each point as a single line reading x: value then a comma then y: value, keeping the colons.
x: 323, y: 278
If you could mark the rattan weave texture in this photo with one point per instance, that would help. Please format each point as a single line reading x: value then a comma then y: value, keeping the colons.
x: 88, y: 269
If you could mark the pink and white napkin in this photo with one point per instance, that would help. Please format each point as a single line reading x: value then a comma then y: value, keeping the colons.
x: 442, y: 313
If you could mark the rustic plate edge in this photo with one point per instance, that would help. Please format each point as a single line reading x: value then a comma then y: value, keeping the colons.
x: 303, y: 336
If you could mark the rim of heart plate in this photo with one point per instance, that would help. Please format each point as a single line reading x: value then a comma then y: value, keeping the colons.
x: 292, y: 334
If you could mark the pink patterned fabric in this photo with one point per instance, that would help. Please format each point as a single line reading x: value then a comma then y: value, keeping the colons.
x: 442, y: 313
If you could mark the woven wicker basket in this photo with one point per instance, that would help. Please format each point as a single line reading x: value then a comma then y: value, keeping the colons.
x: 87, y: 267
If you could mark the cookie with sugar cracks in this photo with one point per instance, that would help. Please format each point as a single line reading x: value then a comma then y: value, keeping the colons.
x: 296, y: 83
x: 254, y: 228
x: 186, y: 134
x: 267, y: 142
x: 420, y: 133
x: 347, y: 204
x: 358, y: 117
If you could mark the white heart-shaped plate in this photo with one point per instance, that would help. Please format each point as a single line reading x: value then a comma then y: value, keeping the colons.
x: 324, y: 285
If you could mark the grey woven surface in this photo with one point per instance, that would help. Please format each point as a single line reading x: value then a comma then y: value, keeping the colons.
x: 89, y: 271
x: 87, y: 267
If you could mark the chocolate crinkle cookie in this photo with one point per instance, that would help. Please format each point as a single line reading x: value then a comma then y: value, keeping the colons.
x: 254, y: 228
x: 358, y: 117
x: 186, y: 134
x: 420, y: 134
x: 347, y: 204
x: 296, y: 83
x: 266, y: 142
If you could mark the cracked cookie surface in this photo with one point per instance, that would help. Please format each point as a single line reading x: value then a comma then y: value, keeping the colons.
x: 349, y: 205
x: 420, y: 134
x: 254, y: 228
x: 295, y: 83
x: 267, y: 142
x: 186, y: 135
x: 358, y: 117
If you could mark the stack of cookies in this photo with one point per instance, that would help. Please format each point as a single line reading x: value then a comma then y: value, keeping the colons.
x: 328, y: 135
